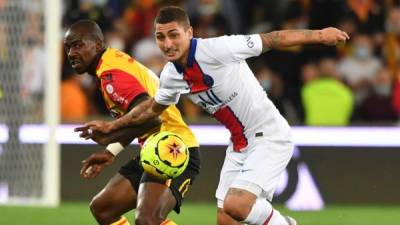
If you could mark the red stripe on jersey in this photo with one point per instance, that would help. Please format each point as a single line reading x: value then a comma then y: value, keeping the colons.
x: 121, y: 87
x: 98, y: 65
x: 226, y: 116
x: 269, y: 217
x: 195, y: 78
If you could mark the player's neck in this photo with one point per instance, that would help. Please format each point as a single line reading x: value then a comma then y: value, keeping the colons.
x: 93, y: 66
x: 183, y: 61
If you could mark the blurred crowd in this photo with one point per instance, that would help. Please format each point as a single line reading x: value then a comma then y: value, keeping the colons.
x: 357, y: 82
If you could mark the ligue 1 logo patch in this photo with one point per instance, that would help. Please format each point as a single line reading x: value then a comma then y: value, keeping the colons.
x: 208, y: 80
x: 109, y: 88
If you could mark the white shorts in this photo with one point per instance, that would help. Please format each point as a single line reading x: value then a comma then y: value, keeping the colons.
x: 257, y: 168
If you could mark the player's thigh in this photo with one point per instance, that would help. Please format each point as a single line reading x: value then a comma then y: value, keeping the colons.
x: 160, y: 196
x: 231, y: 168
x: 155, y: 199
x: 181, y: 184
x: 117, y: 197
x: 120, y: 193
x: 264, y: 165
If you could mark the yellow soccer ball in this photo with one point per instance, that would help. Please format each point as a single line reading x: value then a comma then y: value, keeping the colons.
x: 164, y: 155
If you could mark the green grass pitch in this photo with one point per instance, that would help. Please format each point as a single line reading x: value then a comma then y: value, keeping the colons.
x: 201, y: 214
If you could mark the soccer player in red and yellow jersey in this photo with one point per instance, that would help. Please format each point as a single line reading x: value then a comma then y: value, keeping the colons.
x: 125, y: 83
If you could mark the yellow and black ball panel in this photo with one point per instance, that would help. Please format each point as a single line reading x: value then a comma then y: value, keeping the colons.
x: 172, y: 151
x: 164, y: 155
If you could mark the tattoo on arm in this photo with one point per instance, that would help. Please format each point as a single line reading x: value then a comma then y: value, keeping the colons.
x: 276, y: 39
x: 136, y: 116
x: 320, y: 35
x: 272, y: 39
x: 308, y: 33
x: 127, y: 134
x: 289, y: 38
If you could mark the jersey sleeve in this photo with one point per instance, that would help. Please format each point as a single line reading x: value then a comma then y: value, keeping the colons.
x: 171, y: 87
x: 122, y: 88
x: 235, y: 47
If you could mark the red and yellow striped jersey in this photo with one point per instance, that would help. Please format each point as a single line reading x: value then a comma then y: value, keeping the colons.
x: 122, y: 79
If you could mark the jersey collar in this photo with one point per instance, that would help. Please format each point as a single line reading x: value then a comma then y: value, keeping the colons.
x: 191, y: 59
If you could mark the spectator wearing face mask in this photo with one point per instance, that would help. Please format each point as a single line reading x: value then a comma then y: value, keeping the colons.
x: 368, y: 15
x: 207, y: 19
x: 358, y: 69
x: 377, y: 107
x: 272, y: 85
x: 147, y: 52
x: 392, y: 40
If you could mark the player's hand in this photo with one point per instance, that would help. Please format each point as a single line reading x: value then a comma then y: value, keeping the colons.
x: 98, y: 137
x: 331, y: 36
x: 99, y: 125
x: 95, y: 163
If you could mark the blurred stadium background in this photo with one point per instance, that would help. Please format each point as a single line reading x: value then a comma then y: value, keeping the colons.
x: 343, y: 102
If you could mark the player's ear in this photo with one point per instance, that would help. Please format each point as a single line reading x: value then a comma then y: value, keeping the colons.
x: 190, y: 32
x: 99, y: 45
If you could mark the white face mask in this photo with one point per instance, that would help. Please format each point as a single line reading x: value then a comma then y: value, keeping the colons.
x: 266, y: 84
x: 116, y: 42
x: 86, y: 81
x: 362, y: 52
x: 392, y: 27
x: 207, y: 9
x: 100, y: 3
x: 383, y: 89
x: 302, y: 24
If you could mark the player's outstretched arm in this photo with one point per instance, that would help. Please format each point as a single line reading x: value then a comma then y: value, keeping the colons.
x: 144, y: 111
x: 124, y: 135
x: 289, y: 38
x: 96, y: 162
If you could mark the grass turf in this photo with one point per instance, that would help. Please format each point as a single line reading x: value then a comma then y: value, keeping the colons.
x: 201, y: 214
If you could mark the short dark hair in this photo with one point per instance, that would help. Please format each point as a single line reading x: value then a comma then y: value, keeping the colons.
x: 90, y: 28
x: 172, y: 13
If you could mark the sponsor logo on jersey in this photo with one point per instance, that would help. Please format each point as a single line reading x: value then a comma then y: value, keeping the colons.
x: 250, y: 42
x: 211, y: 103
x: 117, y: 98
x: 245, y: 170
x: 109, y: 88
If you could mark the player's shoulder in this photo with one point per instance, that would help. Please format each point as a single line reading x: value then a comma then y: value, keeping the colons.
x: 170, y: 77
x: 232, y: 39
x: 209, y: 42
x: 223, y: 39
x: 217, y: 45
x: 116, y: 57
x: 169, y: 70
